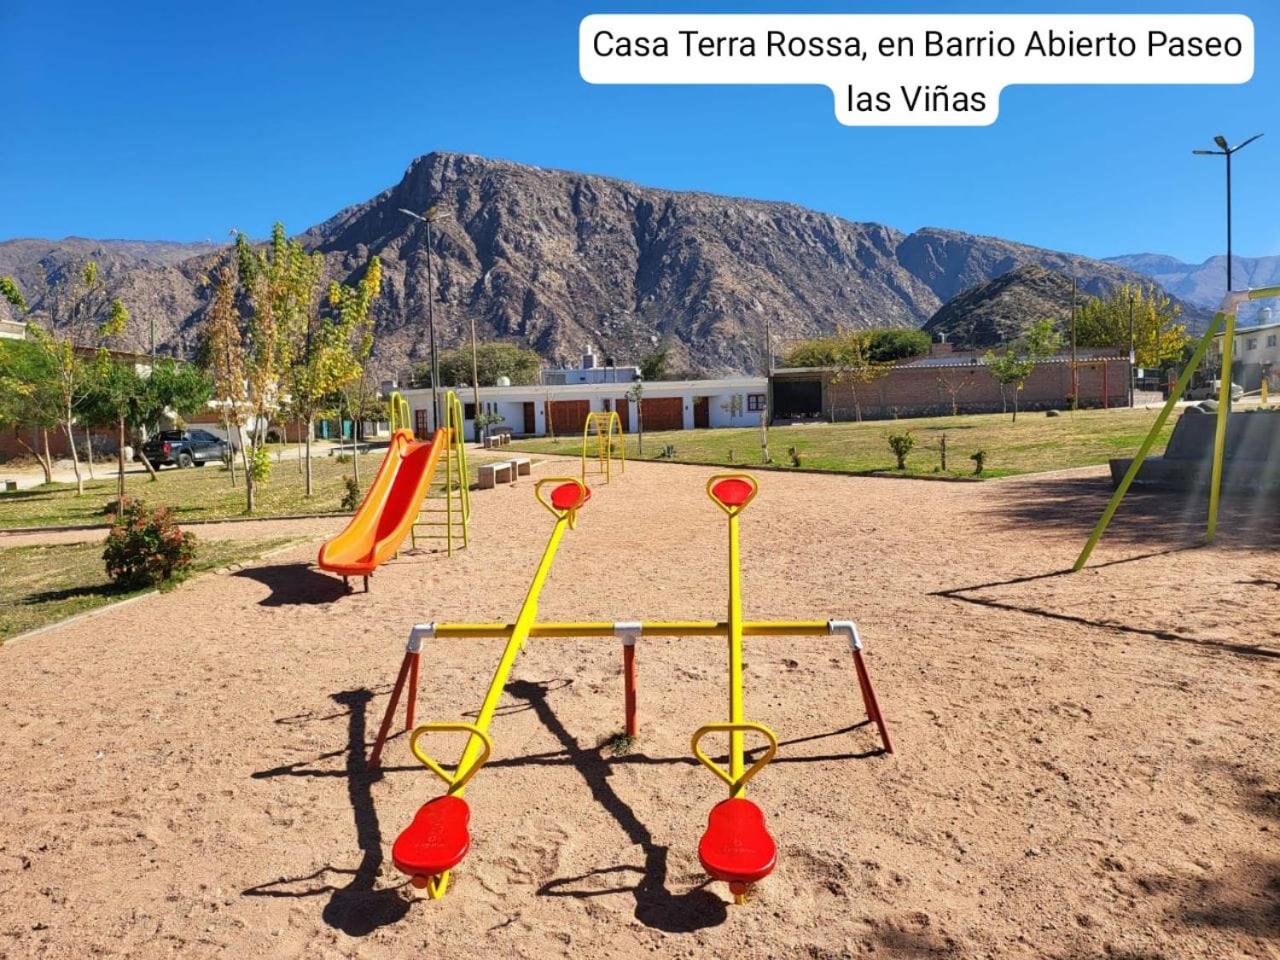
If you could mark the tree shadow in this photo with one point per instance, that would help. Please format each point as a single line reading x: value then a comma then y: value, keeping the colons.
x: 294, y: 584
x: 74, y: 593
x: 1072, y: 505
x: 656, y: 905
x: 359, y: 907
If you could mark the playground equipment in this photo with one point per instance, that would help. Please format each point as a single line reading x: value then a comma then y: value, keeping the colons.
x: 598, y: 432
x: 1224, y: 319
x: 736, y: 847
x: 390, y: 507
x: 452, y: 520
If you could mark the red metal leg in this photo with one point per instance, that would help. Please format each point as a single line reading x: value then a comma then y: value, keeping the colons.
x: 869, y: 700
x: 411, y: 701
x: 629, y: 672
x: 375, y: 757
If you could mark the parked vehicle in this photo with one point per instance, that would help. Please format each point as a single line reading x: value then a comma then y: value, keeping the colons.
x: 184, y: 448
x: 1210, y: 389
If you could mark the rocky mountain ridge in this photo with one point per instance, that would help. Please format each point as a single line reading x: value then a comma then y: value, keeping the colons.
x: 559, y: 260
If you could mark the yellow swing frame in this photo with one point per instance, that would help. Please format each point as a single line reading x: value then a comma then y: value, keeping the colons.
x: 1225, y: 320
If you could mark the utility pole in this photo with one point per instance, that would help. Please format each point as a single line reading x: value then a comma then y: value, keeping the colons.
x: 475, y: 379
x: 152, y: 323
x: 432, y: 215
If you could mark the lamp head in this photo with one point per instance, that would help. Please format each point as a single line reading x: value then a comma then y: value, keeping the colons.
x: 1221, y: 141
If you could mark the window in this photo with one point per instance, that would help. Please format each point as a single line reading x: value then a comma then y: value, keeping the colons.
x: 203, y: 435
x: 468, y: 411
x: 1271, y: 340
x: 1252, y: 344
x: 756, y: 402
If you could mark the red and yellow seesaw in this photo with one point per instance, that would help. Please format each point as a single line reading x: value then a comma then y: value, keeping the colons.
x: 736, y: 847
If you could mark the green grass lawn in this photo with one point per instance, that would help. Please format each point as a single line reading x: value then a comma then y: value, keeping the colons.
x: 1033, y: 444
x: 198, y: 493
x: 44, y: 584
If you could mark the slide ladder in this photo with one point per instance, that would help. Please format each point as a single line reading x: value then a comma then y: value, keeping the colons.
x: 446, y: 511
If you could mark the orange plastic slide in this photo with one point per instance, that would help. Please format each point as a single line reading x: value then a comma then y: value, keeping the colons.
x: 389, y: 509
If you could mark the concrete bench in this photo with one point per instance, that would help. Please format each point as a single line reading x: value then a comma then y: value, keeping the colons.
x: 523, y: 466
x: 492, y: 474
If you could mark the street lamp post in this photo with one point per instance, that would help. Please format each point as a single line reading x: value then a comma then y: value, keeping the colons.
x: 1225, y: 150
x: 1133, y: 357
x: 432, y: 215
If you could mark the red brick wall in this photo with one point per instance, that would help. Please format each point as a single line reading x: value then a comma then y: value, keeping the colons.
x: 909, y: 391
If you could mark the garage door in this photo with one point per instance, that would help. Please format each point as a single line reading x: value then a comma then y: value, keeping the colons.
x: 662, y: 413
x: 569, y: 416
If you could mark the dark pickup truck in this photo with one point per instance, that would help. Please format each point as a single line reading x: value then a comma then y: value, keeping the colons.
x: 184, y: 448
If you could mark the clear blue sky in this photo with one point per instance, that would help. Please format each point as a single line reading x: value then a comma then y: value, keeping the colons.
x: 173, y: 120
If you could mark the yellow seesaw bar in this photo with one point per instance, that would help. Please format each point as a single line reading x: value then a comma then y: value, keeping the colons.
x: 656, y: 628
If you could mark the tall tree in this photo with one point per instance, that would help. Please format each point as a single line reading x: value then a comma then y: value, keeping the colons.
x: 223, y: 355
x: 847, y: 356
x: 1158, y: 337
x: 356, y: 331
x: 28, y: 398
x: 493, y: 360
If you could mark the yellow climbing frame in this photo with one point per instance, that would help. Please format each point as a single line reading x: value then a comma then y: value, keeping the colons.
x: 447, y: 508
x: 1224, y: 320
x: 600, y: 429
x: 398, y: 412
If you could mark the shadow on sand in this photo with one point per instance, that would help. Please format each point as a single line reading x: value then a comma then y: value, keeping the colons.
x: 295, y: 584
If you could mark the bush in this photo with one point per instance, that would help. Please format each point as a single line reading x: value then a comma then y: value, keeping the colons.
x: 351, y: 499
x: 979, y: 462
x: 901, y: 444
x: 146, y: 547
x: 794, y: 454
x: 343, y: 458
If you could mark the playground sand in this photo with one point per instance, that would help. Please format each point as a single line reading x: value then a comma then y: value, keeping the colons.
x: 1086, y: 765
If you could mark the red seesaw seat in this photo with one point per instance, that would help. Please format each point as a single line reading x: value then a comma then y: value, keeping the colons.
x: 732, y: 492
x: 569, y: 496
x: 436, y: 841
x: 737, y: 847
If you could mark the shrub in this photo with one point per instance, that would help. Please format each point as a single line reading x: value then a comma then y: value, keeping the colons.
x: 146, y: 547
x: 794, y: 454
x: 351, y: 499
x: 343, y: 458
x: 901, y: 444
x: 979, y: 461
x: 260, y: 464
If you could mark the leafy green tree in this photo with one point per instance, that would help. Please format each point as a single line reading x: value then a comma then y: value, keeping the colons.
x: 1012, y: 365
x: 897, y: 343
x: 70, y: 382
x: 1158, y: 338
x: 654, y: 366
x: 223, y: 356
x: 113, y: 398
x: 845, y: 357
x: 10, y: 292
x: 493, y: 360
x: 356, y: 329
x: 28, y: 398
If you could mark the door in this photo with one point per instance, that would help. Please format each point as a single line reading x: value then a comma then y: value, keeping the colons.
x: 568, y: 417
x: 530, y: 419
x: 662, y: 413
x: 623, y: 409
x: 701, y: 413
x: 420, y: 423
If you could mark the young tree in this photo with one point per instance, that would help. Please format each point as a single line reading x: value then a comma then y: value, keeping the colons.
x: 1012, y: 365
x: 848, y: 356
x: 356, y: 329
x: 28, y: 398
x: 954, y: 381
x: 69, y: 380
x: 224, y: 360
x: 113, y: 397
x: 1158, y: 338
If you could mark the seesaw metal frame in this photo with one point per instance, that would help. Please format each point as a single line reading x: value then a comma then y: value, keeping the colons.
x: 732, y: 493
x: 1225, y: 319
x: 604, y: 422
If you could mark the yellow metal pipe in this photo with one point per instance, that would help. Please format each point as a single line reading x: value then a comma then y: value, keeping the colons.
x: 1220, y: 428
x: 657, y: 628
x: 519, y: 634
x: 736, y: 758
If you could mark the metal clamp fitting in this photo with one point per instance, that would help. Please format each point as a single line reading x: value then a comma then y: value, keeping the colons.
x: 847, y: 629
x: 628, y: 631
x: 420, y: 632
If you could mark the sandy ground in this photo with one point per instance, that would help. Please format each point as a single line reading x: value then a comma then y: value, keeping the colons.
x: 1086, y: 765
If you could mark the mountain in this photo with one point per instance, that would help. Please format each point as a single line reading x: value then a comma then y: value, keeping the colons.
x: 559, y: 260
x: 998, y: 310
x: 1204, y: 284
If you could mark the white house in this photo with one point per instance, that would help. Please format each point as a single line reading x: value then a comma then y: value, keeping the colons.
x: 562, y: 408
x: 1254, y: 355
